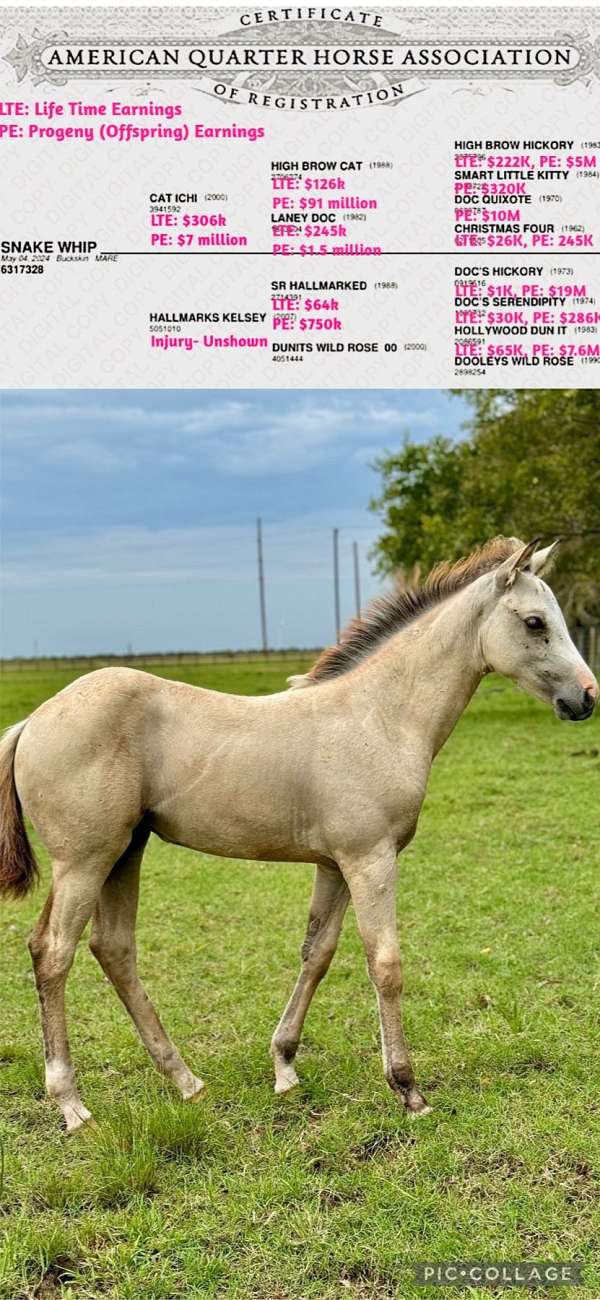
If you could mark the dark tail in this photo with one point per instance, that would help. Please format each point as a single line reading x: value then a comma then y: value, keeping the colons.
x: 18, y: 867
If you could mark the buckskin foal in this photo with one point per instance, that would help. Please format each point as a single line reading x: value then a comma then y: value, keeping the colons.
x: 332, y: 773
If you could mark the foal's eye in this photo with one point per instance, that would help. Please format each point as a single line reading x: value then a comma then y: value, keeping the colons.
x: 534, y: 623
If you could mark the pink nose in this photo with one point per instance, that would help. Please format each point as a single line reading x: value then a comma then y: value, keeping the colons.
x: 590, y: 686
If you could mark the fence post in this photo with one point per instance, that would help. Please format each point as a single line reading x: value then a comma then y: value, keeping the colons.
x: 594, y: 648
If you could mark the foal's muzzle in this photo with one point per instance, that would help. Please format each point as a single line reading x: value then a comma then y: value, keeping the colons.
x: 573, y: 710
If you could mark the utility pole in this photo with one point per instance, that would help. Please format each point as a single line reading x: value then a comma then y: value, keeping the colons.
x: 356, y: 578
x: 261, y: 586
x: 336, y: 581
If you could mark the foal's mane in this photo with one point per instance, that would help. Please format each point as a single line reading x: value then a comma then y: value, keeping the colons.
x: 389, y: 613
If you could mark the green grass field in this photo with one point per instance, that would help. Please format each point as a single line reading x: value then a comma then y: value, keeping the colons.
x: 331, y: 1191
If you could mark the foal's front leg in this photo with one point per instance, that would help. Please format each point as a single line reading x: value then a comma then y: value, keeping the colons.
x: 372, y: 883
x: 329, y: 902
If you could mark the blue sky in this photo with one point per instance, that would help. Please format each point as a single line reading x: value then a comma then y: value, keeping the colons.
x: 128, y: 517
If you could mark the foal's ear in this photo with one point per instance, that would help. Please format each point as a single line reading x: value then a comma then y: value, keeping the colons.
x: 519, y: 560
x: 543, y: 560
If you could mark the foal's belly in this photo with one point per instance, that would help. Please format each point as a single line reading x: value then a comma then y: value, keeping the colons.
x: 239, y: 838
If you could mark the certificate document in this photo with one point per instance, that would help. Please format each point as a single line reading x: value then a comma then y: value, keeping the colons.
x: 323, y: 196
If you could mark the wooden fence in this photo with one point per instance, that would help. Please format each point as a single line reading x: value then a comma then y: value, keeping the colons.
x: 86, y: 663
x: 587, y: 640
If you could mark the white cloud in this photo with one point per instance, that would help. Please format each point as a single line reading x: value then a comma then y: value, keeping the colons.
x: 400, y: 418
x: 298, y: 548
x: 93, y: 455
x: 239, y: 435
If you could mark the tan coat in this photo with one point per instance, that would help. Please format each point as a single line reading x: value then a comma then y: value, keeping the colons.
x: 332, y: 773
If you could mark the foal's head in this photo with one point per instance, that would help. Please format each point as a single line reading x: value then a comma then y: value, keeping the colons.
x: 524, y: 636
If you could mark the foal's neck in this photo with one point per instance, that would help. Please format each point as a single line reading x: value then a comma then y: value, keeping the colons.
x: 427, y: 673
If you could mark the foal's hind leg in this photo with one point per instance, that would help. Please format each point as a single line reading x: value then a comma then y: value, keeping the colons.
x: 328, y: 905
x: 113, y: 943
x: 52, y: 946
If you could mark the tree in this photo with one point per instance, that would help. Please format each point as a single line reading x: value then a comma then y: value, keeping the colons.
x: 528, y: 465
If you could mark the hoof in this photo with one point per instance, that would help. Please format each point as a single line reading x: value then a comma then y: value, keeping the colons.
x: 78, y: 1121
x: 198, y: 1092
x: 415, y: 1103
x: 286, y: 1080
